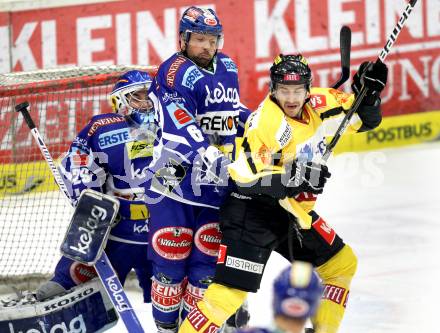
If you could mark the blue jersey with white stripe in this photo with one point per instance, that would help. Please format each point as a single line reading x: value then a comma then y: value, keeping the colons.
x: 111, y: 155
x: 195, y: 108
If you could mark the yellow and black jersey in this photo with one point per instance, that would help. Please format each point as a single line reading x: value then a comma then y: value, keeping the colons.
x: 272, y: 138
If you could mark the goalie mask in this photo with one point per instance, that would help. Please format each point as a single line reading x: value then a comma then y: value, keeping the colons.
x: 202, y: 21
x: 297, y: 291
x: 129, y: 96
x: 290, y: 69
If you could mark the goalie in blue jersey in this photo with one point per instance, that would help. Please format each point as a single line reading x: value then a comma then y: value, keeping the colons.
x: 110, y: 155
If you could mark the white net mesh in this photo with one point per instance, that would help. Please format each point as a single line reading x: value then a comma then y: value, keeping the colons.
x: 33, y: 213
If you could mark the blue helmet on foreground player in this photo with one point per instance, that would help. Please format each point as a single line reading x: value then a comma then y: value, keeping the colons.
x: 297, y: 292
x: 296, y: 295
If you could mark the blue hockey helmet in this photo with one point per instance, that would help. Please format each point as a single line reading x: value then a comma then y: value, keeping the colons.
x: 129, y: 95
x: 202, y: 21
x: 297, y: 291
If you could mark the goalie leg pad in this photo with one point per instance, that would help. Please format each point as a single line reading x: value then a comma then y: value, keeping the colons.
x: 49, y: 289
x: 68, y: 274
x: 241, y: 265
x: 336, y: 275
x: 85, y: 308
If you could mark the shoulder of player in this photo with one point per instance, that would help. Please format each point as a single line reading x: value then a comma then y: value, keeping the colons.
x: 270, y: 115
x: 101, y: 122
x: 227, y: 62
x: 269, y: 124
x: 178, y: 71
x: 325, y: 99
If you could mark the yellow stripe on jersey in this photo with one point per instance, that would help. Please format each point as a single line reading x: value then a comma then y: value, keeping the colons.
x: 272, y: 139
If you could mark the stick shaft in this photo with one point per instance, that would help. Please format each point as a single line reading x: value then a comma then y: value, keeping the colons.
x: 382, y: 56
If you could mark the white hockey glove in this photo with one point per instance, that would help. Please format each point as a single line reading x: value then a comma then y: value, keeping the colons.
x: 211, y: 167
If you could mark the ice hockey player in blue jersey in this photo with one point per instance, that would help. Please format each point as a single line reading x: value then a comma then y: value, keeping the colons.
x: 110, y: 155
x: 197, y: 102
x: 296, y: 296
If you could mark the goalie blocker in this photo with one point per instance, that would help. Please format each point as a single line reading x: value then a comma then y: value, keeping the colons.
x: 85, y: 308
x: 89, y: 228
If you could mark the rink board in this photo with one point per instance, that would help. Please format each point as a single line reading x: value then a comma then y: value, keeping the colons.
x: 395, y: 131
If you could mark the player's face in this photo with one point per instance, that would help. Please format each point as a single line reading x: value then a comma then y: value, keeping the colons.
x: 139, y: 100
x: 201, y: 48
x: 291, y: 98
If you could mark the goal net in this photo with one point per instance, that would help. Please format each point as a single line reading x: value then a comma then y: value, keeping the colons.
x: 33, y: 213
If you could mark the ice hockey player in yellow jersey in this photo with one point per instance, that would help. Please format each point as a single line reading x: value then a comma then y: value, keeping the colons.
x: 279, y: 162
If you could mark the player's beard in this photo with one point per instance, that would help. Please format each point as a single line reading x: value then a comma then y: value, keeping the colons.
x: 203, y: 59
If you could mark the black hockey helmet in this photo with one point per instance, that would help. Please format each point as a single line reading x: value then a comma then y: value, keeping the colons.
x: 290, y: 69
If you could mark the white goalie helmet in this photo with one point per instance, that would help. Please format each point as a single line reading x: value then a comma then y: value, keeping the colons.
x: 129, y: 96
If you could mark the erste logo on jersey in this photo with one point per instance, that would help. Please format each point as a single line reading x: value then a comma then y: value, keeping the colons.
x: 208, y: 239
x: 173, y: 243
x: 191, y: 76
x: 220, y: 122
x: 113, y: 138
x: 229, y: 65
x: 180, y: 116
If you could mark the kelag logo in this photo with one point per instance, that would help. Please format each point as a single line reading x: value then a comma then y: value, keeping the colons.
x: 404, y: 132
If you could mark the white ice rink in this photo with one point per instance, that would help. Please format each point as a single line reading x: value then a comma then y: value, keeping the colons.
x: 386, y: 205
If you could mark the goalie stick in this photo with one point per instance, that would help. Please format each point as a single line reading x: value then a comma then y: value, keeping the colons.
x: 292, y: 206
x: 103, y: 266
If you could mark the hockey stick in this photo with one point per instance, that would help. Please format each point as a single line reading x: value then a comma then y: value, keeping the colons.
x: 344, y: 48
x: 304, y: 219
x: 103, y: 266
x: 382, y: 56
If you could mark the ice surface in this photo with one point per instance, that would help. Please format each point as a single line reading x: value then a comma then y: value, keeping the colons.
x: 386, y: 205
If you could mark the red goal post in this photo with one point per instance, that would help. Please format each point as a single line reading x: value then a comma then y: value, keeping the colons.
x: 33, y: 213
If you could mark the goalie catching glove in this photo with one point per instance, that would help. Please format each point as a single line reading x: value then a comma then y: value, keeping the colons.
x: 301, y: 177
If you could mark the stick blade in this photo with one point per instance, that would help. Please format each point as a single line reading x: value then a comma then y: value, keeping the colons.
x: 345, y: 48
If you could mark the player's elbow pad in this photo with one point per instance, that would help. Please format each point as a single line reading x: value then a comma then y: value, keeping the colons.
x: 370, y: 115
x: 270, y: 185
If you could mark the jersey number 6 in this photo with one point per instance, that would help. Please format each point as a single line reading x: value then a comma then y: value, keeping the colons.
x: 195, y: 133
